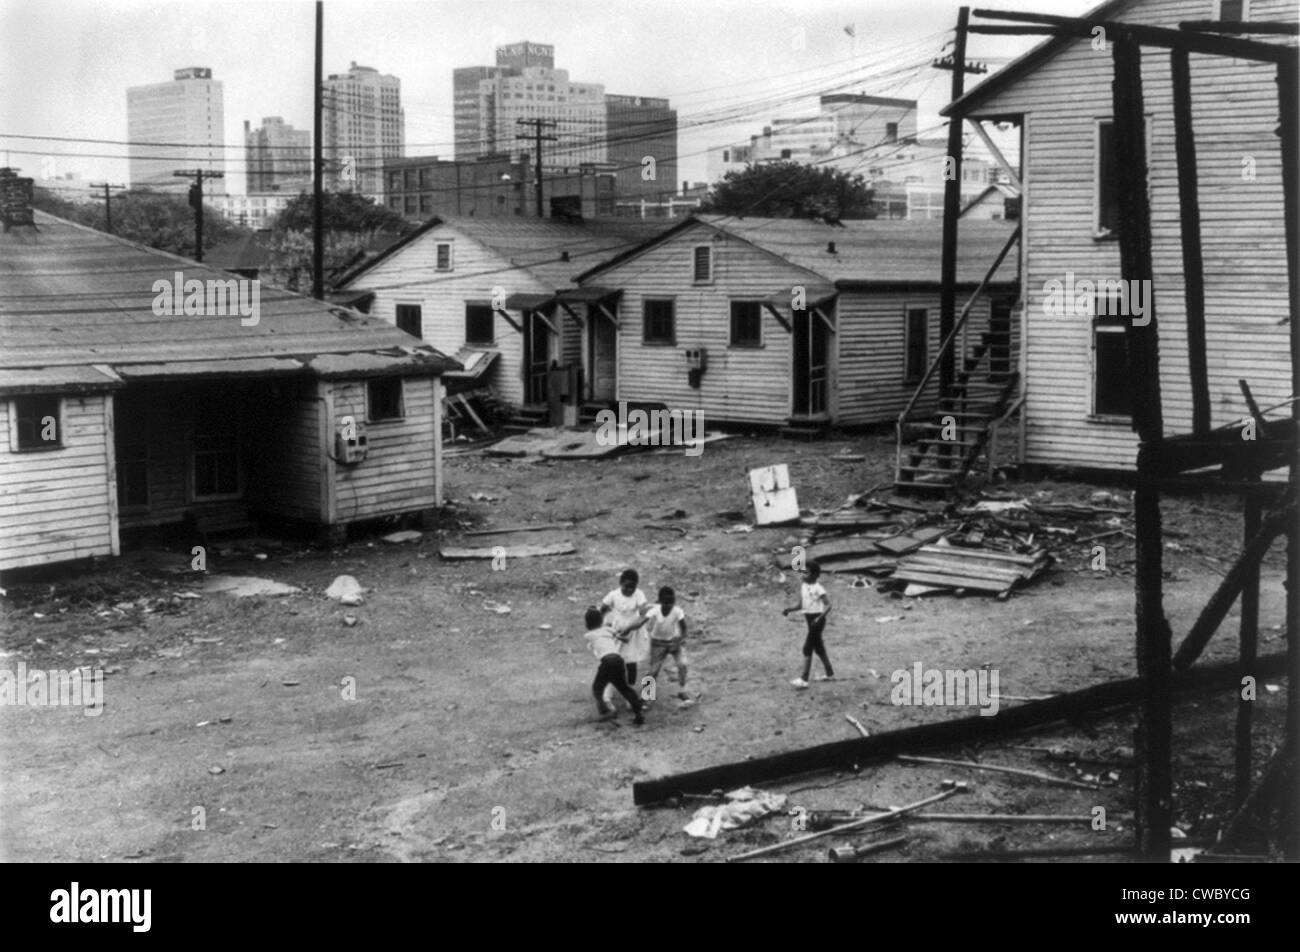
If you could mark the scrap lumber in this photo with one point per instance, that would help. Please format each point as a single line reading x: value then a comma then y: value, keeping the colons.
x: 821, y: 819
x: 868, y: 564
x: 530, y: 528
x: 979, y: 569
x: 853, y: 753
x: 853, y: 518
x: 454, y: 553
x: 851, y: 854
x: 1040, y: 851
x: 997, y: 768
x: 910, y: 541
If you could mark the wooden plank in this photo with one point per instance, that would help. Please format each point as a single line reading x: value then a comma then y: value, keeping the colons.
x: 454, y: 553
x: 1246, y: 655
x: 869, y: 564
x: 1189, y: 221
x: 909, y: 541
x: 529, y: 528
x: 860, y: 751
x: 905, y: 574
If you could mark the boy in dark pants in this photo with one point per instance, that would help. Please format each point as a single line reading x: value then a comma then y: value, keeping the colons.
x: 816, y: 605
x: 604, y: 644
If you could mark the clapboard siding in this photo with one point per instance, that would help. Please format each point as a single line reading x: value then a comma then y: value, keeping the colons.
x: 749, y: 385
x: 1242, y: 232
x: 54, y: 504
x: 411, y: 277
x: 397, y: 474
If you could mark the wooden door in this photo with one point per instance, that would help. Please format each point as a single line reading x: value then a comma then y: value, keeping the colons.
x: 811, y: 370
x: 603, y: 339
x: 537, y: 358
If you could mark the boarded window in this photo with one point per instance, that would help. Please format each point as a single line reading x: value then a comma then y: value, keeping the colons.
x: 746, y: 324
x: 1110, y: 383
x: 216, y: 450
x: 409, y: 319
x: 443, y: 257
x: 916, y: 344
x: 384, y: 399
x: 480, y: 324
x: 703, y: 264
x: 38, y: 423
x: 659, y: 324
x: 1107, y: 198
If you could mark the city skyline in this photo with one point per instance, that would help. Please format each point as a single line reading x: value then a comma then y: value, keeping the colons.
x: 787, y: 58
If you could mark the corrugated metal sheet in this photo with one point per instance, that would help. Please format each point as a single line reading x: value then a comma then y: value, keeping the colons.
x: 57, y: 379
x: 71, y: 295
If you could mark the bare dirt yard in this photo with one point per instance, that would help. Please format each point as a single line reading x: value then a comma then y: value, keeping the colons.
x: 438, y: 727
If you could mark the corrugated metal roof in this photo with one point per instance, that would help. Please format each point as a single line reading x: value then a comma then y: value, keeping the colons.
x: 876, y: 251
x: 61, y: 379
x: 71, y: 295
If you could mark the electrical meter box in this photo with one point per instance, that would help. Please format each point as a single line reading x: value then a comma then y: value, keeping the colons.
x: 697, y: 358
x: 350, y: 443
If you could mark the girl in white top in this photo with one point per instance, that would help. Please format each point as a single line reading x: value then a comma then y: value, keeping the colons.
x: 626, y: 607
x: 816, y: 605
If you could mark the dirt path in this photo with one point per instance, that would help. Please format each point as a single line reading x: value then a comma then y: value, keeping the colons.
x: 472, y: 734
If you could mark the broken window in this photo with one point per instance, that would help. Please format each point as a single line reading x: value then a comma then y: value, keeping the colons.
x: 38, y: 422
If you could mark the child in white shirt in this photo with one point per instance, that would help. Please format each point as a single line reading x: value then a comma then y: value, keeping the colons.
x: 625, y: 608
x: 666, y: 623
x: 816, y: 605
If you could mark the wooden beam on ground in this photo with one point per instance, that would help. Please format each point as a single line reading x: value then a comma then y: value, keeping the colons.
x: 1190, y: 226
x: 1247, y: 654
x: 860, y: 751
x: 528, y: 528
x: 453, y: 553
x: 998, y: 768
x: 1154, y: 813
x: 1039, y: 852
x: 1216, y: 609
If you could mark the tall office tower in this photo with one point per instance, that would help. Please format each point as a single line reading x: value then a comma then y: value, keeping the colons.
x: 279, y: 157
x: 185, y: 118
x: 524, y: 84
x: 364, y: 124
x: 639, y: 128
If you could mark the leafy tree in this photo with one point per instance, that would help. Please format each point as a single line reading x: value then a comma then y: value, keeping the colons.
x: 342, y: 212
x: 791, y: 190
x: 290, y: 262
x: 160, y: 220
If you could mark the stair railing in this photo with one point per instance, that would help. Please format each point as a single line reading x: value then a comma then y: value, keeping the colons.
x: 944, y: 347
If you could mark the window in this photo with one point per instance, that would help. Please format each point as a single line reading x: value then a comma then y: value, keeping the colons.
x: 916, y: 345
x: 703, y: 264
x: 39, y: 425
x: 480, y: 324
x: 1110, y: 384
x: 1107, y: 221
x: 746, y: 324
x: 443, y: 256
x: 891, y: 132
x: 658, y: 322
x: 1232, y: 11
x: 384, y: 399
x: 216, y: 451
x: 409, y: 319
x: 726, y: 155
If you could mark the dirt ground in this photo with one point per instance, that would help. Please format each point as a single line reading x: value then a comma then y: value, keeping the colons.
x: 472, y: 735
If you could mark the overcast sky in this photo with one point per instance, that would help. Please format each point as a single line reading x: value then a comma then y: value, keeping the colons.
x: 65, y: 66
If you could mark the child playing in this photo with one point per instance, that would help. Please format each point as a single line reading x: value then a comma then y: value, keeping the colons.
x: 612, y: 672
x: 816, y: 605
x: 627, y: 606
x: 666, y: 623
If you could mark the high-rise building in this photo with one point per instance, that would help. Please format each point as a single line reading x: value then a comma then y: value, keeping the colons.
x: 363, y: 125
x: 185, y: 118
x: 641, y: 133
x: 489, y: 101
x: 278, y: 157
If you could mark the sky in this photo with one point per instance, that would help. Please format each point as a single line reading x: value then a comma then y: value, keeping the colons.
x: 727, y: 66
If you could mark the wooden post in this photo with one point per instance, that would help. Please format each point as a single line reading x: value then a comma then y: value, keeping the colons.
x: 1154, y: 809
x: 318, y: 169
x: 952, y: 207
x: 438, y: 396
x: 1190, y: 223
x: 1288, y: 99
x: 1249, y: 643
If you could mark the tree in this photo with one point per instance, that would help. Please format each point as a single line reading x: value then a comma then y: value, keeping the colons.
x: 791, y: 190
x: 157, y: 219
x: 341, y: 212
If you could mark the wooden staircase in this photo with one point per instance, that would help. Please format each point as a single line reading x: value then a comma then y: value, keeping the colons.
x: 951, y: 441
x: 526, y: 418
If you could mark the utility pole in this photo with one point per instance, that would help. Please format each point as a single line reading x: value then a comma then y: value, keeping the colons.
x: 196, y: 202
x: 538, y: 138
x: 952, y: 198
x: 318, y: 167
x: 108, y: 203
